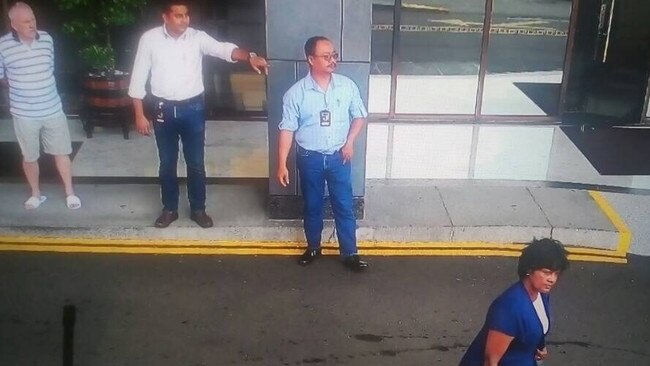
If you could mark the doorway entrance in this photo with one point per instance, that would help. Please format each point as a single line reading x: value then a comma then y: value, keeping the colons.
x: 609, y: 69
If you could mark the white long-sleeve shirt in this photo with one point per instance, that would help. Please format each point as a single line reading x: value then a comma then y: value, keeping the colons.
x: 175, y: 65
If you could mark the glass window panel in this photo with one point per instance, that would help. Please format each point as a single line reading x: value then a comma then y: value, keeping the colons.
x: 233, y: 90
x: 526, y: 57
x: 439, y: 53
x: 380, y: 56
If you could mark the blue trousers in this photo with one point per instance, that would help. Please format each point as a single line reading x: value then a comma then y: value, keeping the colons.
x: 315, y: 169
x: 187, y: 122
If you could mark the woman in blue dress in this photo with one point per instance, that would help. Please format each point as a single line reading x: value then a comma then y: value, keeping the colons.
x: 518, y: 320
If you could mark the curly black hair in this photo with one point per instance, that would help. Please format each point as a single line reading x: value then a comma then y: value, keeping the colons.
x: 542, y: 253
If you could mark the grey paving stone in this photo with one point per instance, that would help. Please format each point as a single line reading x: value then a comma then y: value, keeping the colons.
x: 601, y: 239
x: 499, y: 234
x: 404, y: 206
x: 477, y: 206
x: 405, y: 234
x: 570, y: 208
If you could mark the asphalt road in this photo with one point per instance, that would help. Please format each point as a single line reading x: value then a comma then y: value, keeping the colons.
x: 211, y: 310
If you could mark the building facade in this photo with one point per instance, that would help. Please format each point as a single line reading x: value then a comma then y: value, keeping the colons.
x: 516, y: 90
x: 523, y: 90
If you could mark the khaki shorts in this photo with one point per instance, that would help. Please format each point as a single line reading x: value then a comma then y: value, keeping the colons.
x: 53, y: 131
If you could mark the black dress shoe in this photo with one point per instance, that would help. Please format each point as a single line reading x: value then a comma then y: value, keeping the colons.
x: 166, y: 218
x: 355, y: 263
x: 309, y: 256
x: 201, y: 218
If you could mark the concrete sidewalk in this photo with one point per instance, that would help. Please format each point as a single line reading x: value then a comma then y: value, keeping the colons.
x: 401, y: 218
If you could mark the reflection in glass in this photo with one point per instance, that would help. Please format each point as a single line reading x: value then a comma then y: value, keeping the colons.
x: 233, y: 90
x: 439, y: 53
x: 526, y: 57
x: 380, y: 57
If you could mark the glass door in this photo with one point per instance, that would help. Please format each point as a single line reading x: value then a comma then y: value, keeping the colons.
x: 381, y: 48
x: 439, y: 56
x: 468, y: 58
x: 525, y: 57
x: 609, y: 72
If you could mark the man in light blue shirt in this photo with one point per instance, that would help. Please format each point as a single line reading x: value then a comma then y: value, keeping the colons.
x: 324, y: 113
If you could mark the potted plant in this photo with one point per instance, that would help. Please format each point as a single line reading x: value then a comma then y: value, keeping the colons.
x: 90, y: 23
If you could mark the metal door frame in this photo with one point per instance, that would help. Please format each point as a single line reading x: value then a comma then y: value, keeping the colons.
x: 645, y: 119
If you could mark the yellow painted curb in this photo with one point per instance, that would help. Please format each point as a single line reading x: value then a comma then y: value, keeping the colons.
x: 624, y: 233
x: 215, y: 247
x: 207, y: 247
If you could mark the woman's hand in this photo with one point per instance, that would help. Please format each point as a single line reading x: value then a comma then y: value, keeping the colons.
x: 541, y: 354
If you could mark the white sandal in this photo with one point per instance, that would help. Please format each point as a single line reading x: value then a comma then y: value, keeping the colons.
x: 73, y: 202
x: 33, y: 202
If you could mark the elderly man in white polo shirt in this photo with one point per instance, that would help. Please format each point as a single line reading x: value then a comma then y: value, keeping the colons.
x: 27, y: 64
x: 171, y: 57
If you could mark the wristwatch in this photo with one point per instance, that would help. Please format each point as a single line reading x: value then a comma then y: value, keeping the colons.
x: 251, y: 55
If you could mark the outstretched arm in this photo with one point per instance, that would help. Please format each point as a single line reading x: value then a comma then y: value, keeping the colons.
x: 232, y: 53
x: 257, y: 63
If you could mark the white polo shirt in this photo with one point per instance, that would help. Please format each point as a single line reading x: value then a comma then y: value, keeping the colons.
x: 175, y: 64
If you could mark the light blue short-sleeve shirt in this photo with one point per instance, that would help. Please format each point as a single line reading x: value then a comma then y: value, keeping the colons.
x: 303, y: 103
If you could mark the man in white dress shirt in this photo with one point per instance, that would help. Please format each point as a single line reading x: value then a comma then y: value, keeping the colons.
x: 170, y: 57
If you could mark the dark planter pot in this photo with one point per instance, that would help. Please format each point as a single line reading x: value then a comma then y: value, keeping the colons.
x: 106, y: 102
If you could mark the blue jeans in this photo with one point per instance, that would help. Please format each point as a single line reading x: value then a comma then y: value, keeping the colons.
x: 315, y: 169
x: 187, y: 122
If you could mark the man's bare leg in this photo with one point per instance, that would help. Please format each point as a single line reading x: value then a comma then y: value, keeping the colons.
x: 64, y: 166
x: 32, y: 172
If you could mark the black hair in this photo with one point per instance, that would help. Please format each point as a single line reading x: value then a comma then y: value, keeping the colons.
x: 310, y: 45
x: 166, y: 6
x: 542, y: 253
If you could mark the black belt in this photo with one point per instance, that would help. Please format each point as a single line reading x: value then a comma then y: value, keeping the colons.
x: 302, y: 150
x: 180, y: 103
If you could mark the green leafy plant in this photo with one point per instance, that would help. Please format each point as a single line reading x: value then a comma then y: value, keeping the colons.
x: 90, y: 23
x: 98, y: 58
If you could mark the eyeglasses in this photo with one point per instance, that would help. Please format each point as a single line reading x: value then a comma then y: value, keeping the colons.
x: 329, y: 57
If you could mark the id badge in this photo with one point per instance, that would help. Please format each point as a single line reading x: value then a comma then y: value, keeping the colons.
x: 325, y: 118
x: 158, y: 112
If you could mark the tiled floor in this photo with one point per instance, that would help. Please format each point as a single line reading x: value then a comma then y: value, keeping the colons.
x: 394, y: 151
x: 233, y: 150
